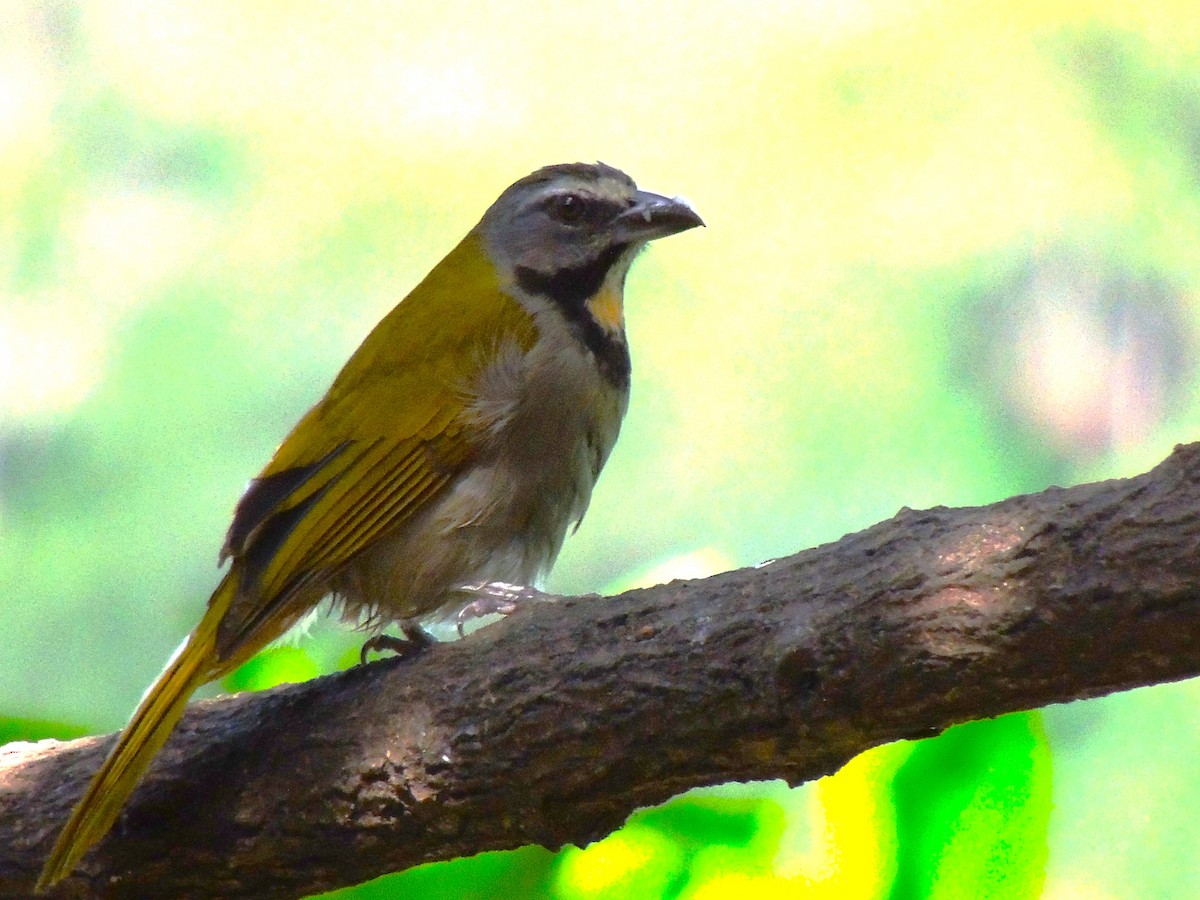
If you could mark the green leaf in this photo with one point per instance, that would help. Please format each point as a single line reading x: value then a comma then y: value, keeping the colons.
x: 517, y: 873
x: 278, y: 665
x: 972, y: 809
x: 39, y: 730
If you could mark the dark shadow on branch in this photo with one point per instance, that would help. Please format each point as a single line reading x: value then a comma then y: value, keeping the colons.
x: 552, y: 726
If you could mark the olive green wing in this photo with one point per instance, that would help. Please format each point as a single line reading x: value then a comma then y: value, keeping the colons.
x: 387, y: 438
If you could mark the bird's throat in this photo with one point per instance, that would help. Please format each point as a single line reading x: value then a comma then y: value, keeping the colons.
x: 608, y: 308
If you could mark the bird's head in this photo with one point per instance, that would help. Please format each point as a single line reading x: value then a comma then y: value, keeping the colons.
x: 566, y: 230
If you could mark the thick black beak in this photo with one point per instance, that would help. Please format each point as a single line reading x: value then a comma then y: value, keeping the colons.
x: 653, y: 216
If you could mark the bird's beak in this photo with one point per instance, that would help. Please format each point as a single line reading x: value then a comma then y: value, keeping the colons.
x: 653, y: 216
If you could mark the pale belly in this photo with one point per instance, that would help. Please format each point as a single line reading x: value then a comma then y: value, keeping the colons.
x: 506, y: 516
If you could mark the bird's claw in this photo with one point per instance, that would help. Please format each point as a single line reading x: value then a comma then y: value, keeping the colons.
x: 495, y: 597
x: 413, y: 641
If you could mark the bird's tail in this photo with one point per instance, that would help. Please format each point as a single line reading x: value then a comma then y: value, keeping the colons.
x: 161, y: 708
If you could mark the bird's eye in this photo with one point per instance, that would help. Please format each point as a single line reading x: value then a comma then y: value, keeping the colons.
x: 570, y: 209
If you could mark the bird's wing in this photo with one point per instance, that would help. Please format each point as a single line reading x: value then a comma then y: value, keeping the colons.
x: 386, y: 438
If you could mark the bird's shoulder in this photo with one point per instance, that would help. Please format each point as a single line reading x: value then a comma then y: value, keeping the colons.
x: 401, y: 404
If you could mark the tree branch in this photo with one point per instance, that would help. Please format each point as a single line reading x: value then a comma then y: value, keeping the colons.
x: 552, y: 726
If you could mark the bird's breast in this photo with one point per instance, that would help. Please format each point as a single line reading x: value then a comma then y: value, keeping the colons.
x: 548, y: 419
x: 542, y: 420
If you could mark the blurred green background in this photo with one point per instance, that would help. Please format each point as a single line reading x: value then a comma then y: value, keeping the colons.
x: 951, y: 256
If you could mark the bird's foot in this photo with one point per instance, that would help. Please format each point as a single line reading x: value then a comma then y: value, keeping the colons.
x: 496, y: 597
x: 414, y: 640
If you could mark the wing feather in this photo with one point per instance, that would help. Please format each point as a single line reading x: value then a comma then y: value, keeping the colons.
x: 391, y: 433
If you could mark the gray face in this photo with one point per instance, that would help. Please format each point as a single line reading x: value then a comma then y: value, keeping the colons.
x: 576, y: 216
x: 560, y: 217
x: 563, y: 233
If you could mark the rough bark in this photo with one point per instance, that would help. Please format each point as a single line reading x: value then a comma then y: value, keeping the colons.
x: 552, y: 726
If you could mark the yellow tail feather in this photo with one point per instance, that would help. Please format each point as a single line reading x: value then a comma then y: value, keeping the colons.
x: 151, y: 723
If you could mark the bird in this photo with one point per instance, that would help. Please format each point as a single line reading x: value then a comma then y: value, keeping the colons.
x: 445, y: 464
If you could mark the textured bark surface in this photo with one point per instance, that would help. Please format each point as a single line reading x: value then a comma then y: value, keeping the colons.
x: 552, y: 726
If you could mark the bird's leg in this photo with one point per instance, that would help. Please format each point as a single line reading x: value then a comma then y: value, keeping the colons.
x: 415, y: 640
x: 496, y: 597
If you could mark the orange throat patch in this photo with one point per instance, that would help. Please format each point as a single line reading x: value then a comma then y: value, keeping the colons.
x: 608, y: 309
